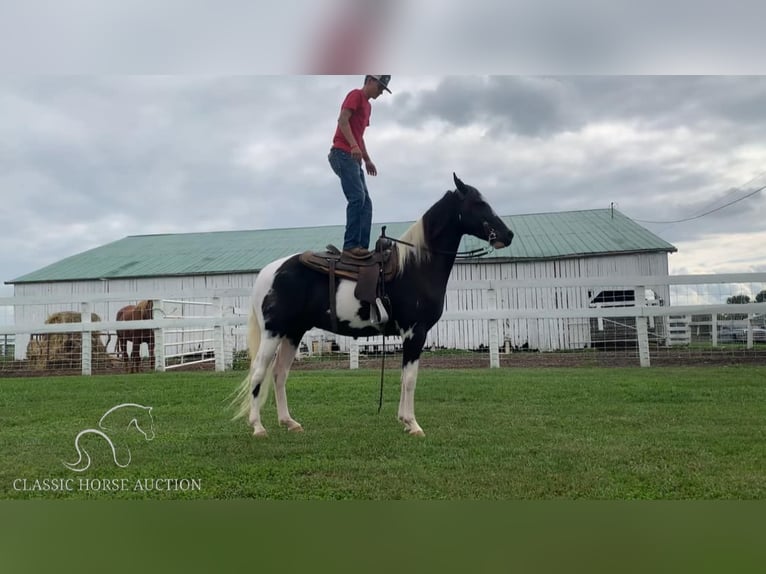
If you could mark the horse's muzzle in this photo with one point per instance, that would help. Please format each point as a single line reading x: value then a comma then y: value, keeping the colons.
x: 496, y: 241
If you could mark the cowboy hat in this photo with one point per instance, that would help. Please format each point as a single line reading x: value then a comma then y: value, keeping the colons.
x: 382, y: 80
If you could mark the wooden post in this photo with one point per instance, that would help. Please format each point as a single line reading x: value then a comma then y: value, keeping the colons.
x: 159, y: 337
x: 228, y: 341
x: 353, y: 354
x: 494, y: 336
x: 87, y: 340
x: 642, y: 332
x: 218, y: 336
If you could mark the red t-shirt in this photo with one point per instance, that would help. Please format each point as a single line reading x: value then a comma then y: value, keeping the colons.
x: 360, y: 118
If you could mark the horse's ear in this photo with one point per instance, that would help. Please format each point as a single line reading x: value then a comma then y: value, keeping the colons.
x: 459, y: 185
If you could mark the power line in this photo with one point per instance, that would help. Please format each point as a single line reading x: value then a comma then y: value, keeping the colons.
x: 733, y: 192
x: 752, y: 193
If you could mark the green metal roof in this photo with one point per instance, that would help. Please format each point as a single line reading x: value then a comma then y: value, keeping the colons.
x: 537, y: 236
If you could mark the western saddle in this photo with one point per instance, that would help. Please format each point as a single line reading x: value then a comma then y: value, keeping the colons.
x: 371, y: 273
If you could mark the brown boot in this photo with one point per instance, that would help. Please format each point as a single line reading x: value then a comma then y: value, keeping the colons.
x: 358, y: 252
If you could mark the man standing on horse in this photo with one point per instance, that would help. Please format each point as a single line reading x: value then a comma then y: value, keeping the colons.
x: 346, y: 156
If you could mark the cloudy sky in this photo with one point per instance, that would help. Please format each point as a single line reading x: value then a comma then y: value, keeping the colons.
x: 86, y: 160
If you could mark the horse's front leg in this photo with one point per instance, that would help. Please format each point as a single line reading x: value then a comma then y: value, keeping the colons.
x: 127, y: 356
x: 135, y: 358
x: 411, y: 348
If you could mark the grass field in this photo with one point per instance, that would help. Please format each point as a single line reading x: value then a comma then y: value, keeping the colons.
x: 577, y: 433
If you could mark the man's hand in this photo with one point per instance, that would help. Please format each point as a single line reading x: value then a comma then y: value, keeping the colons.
x: 371, y: 169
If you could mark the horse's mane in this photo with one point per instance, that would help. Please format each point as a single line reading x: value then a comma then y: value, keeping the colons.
x: 416, y: 236
x: 144, y: 307
x: 428, y: 226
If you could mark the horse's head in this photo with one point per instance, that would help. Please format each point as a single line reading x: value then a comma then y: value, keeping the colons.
x: 478, y: 218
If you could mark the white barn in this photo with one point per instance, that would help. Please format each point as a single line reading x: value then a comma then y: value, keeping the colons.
x: 576, y: 244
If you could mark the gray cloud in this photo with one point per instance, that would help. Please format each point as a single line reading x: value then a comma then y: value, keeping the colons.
x: 528, y: 106
x: 539, y: 106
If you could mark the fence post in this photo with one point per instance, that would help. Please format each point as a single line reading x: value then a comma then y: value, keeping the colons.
x: 714, y: 328
x: 218, y: 336
x: 642, y: 332
x: 158, y: 312
x: 228, y: 341
x: 353, y: 354
x: 494, y: 336
x: 86, y: 346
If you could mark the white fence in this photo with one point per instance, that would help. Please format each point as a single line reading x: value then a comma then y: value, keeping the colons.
x: 550, y: 311
x: 187, y: 346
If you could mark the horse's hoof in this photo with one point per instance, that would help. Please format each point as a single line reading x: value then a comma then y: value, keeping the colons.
x: 260, y: 433
x: 418, y: 432
x: 292, y: 426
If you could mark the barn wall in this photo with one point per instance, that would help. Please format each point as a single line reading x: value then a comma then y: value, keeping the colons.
x: 543, y: 334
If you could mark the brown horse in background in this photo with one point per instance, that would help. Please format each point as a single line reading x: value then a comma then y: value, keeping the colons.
x: 142, y: 311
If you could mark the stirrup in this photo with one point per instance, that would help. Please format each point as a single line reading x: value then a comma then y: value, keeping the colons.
x: 381, y: 310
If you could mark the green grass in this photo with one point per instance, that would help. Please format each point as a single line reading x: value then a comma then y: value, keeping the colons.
x: 580, y: 433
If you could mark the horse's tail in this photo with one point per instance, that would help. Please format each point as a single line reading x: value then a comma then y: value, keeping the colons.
x: 242, y: 398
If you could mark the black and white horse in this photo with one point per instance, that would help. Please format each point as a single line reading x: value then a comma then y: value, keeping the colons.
x: 289, y: 299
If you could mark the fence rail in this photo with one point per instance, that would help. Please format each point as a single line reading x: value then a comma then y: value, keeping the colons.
x: 227, y: 321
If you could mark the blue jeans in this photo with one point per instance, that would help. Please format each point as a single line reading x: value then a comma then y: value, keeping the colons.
x: 359, y: 208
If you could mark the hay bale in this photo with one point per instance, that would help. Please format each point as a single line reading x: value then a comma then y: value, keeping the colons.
x: 64, y: 350
x: 36, y: 353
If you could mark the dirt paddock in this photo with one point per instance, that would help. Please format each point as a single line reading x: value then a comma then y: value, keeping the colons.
x: 440, y: 360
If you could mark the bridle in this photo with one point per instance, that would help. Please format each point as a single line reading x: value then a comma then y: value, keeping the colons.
x: 480, y: 252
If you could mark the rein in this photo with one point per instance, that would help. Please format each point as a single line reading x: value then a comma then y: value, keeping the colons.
x: 480, y: 252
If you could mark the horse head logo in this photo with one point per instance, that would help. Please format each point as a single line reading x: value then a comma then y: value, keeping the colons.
x: 116, y: 421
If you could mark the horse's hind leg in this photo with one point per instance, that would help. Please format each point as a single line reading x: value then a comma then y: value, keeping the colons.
x: 128, y: 356
x: 259, y: 368
x: 285, y: 357
x: 135, y: 358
